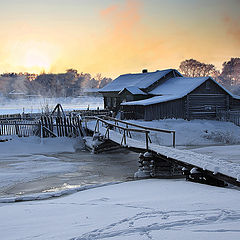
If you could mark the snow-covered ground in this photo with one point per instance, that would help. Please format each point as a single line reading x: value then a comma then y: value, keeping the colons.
x: 189, y: 133
x: 194, y: 132
x: 146, y: 209
x: 38, y: 105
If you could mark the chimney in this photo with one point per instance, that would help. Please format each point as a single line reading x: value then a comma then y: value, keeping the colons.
x: 144, y: 71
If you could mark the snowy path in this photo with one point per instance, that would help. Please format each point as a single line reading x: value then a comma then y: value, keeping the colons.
x: 146, y: 209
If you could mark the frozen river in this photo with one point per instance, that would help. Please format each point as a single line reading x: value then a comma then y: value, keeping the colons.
x: 26, y: 174
x: 39, y: 105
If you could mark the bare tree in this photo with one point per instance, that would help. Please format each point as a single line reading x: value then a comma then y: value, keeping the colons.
x: 194, y: 68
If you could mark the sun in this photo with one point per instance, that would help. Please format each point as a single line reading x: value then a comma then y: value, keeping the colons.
x: 33, y: 56
x: 36, y: 59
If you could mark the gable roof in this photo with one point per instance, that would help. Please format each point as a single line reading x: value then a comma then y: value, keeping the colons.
x: 133, y: 90
x: 178, y: 86
x: 175, y: 88
x: 139, y: 80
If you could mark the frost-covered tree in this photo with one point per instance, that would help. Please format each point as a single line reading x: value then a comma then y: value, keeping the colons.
x: 104, y: 82
x: 231, y: 72
x: 194, y: 68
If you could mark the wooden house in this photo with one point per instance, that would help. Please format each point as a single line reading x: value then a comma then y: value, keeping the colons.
x: 132, y: 87
x: 171, y: 96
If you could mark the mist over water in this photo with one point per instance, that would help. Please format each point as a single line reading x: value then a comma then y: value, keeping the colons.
x: 50, y: 173
x: 38, y: 105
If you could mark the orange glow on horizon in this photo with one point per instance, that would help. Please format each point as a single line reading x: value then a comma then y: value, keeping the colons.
x: 116, y: 37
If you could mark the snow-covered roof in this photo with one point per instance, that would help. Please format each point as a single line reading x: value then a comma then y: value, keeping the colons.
x: 175, y: 88
x: 236, y: 96
x: 139, y: 80
x: 178, y: 86
x: 152, y: 100
x: 133, y: 90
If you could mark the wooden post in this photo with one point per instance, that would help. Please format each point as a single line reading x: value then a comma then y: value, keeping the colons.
x: 147, y: 140
x: 174, y: 139
x: 96, y: 129
x: 16, y: 128
x: 107, y: 133
x: 61, y: 125
x: 58, y: 133
x: 65, y: 127
x: 123, y: 141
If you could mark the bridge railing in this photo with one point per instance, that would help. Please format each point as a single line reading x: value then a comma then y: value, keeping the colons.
x: 172, y: 132
x: 125, y: 130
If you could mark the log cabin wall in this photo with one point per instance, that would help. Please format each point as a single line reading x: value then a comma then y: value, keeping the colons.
x: 170, y: 109
x: 132, y: 112
x: 234, y: 104
x: 204, y: 101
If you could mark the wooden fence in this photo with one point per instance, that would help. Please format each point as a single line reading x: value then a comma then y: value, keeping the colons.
x: 47, y: 126
x: 60, y: 126
x: 229, y: 116
x: 21, y: 128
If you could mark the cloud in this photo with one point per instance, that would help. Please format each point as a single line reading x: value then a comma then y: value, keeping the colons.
x: 233, y: 27
x: 127, y: 42
x: 123, y: 18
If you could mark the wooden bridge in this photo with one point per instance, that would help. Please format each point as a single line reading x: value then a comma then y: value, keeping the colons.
x: 110, y: 133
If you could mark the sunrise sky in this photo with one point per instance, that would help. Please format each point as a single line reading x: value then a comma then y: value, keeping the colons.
x: 115, y: 37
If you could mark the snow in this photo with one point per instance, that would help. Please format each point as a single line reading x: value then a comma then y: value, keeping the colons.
x: 139, y: 80
x: 152, y: 100
x: 147, y: 209
x: 35, y: 145
x: 190, y: 133
x: 134, y: 90
x: 179, y: 86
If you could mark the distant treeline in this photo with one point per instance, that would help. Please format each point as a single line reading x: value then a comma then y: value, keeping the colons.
x: 229, y: 76
x: 70, y: 83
